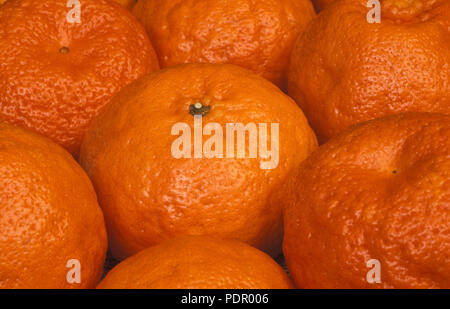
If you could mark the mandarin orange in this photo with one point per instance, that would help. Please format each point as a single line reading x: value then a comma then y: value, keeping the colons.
x: 255, y: 34
x: 371, y: 208
x: 57, y: 72
x: 345, y: 70
x: 50, y: 221
x: 198, y: 263
x: 152, y: 187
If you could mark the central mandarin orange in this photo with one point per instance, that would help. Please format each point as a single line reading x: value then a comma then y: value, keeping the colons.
x: 148, y: 194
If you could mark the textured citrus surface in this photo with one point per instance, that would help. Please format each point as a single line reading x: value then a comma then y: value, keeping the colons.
x: 255, y: 34
x: 55, y: 76
x: 147, y: 195
x: 126, y: 3
x: 381, y: 190
x: 345, y: 70
x: 48, y: 215
x: 198, y: 263
x: 321, y: 4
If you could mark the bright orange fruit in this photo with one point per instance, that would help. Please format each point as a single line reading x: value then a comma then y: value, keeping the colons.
x: 126, y: 3
x: 49, y: 215
x: 321, y: 4
x: 56, y: 74
x: 257, y: 35
x: 345, y: 70
x: 198, y: 263
x: 378, y: 191
x: 148, y: 194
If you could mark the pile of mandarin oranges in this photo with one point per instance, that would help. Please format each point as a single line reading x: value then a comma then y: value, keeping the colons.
x: 230, y: 144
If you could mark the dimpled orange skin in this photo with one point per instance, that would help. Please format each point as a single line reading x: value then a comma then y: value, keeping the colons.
x: 48, y: 215
x: 380, y: 190
x: 345, y: 70
x: 255, y: 34
x: 321, y: 4
x: 198, y: 263
x: 126, y: 3
x: 58, y: 92
x: 148, y: 196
